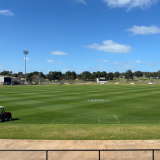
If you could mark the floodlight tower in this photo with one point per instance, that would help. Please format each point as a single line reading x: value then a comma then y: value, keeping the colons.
x: 25, y: 52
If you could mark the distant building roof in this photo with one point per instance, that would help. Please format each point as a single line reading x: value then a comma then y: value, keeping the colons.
x: 5, y: 76
x: 22, y: 79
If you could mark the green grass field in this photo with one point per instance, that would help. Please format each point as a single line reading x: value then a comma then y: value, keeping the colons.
x: 81, y: 112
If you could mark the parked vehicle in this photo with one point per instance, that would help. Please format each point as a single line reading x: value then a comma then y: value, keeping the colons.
x: 5, y: 116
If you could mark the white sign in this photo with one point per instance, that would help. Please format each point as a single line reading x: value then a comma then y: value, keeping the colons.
x: 102, y: 78
x: 149, y: 83
x: 131, y: 83
x: 116, y: 83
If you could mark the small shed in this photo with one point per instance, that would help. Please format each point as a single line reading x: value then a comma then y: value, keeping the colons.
x: 7, y: 80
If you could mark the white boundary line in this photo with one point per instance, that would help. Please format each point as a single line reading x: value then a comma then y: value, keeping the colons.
x: 54, y: 119
x: 93, y: 118
x: 116, y: 118
x: 139, y: 117
x: 110, y: 122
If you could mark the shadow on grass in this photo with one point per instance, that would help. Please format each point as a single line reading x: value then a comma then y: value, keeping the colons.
x: 14, y: 119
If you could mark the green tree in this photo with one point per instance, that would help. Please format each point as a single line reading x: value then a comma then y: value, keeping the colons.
x: 49, y: 76
x: 92, y: 77
x: 122, y: 74
x: 62, y: 77
x: 158, y: 74
x: 95, y: 74
x: 116, y: 74
x: 20, y: 75
x: 71, y: 78
x: 98, y: 74
x: 59, y: 75
x: 35, y: 72
x: 29, y: 76
x: 73, y: 74
x: 155, y: 74
x: 85, y: 75
x: 4, y: 73
x: 67, y: 75
x: 14, y: 74
x: 148, y: 75
x: 79, y: 76
x: 54, y: 75
x: 103, y: 74
x: 42, y: 75
x: 110, y: 76
x: 138, y: 74
x: 128, y: 74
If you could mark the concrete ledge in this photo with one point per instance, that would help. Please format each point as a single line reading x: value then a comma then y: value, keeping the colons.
x: 78, y: 144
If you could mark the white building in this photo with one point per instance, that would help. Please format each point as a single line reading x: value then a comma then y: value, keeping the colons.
x: 7, y: 80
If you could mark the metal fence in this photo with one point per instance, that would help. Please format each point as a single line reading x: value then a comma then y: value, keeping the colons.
x: 138, y: 154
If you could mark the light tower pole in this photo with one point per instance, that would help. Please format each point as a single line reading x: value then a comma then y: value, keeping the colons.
x: 25, y: 52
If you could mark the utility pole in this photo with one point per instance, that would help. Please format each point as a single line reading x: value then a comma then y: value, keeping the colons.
x: 25, y: 52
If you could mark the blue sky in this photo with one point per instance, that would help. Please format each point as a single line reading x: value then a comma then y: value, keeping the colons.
x: 80, y: 35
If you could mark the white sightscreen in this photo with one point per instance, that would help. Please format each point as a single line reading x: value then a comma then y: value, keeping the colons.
x: 1, y: 79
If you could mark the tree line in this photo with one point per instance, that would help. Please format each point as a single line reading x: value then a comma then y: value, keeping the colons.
x: 86, y: 75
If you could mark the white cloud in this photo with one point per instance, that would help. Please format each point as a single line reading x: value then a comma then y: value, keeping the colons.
x: 110, y: 46
x: 109, y: 62
x: 51, y: 61
x: 138, y: 61
x: 118, y: 62
x: 97, y: 68
x: 149, y: 63
x: 58, y: 53
x: 119, y: 67
x: 106, y: 61
x: 80, y: 1
x: 129, y: 4
x: 144, y: 30
x: 64, y: 70
x: 70, y: 68
x: 1, y: 67
x: 6, y: 12
x: 27, y: 59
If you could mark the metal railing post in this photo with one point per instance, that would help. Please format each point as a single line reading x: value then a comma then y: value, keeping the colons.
x: 46, y: 154
x: 99, y: 155
x: 153, y: 154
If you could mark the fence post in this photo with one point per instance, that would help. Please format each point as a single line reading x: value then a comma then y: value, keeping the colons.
x: 153, y: 154
x: 46, y: 154
x: 99, y: 155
